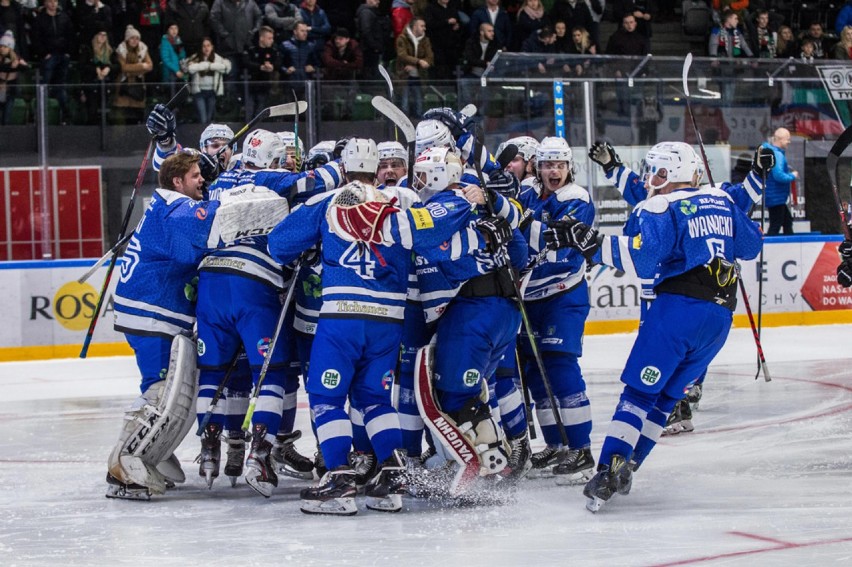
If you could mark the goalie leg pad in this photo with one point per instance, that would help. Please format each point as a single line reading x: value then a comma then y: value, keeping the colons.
x: 485, y: 434
x: 157, y: 423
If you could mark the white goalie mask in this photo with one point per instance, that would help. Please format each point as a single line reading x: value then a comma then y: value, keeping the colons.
x: 670, y: 162
x: 431, y: 134
x: 435, y: 170
x: 360, y: 156
x: 262, y: 149
x: 527, y: 146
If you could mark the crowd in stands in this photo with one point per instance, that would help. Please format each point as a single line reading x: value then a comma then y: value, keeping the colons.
x: 214, y: 44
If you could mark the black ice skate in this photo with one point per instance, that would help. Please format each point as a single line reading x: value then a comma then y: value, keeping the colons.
x: 680, y: 420
x: 520, y: 459
x: 693, y: 396
x: 290, y: 462
x: 544, y: 460
x: 211, y: 453
x: 319, y: 463
x: 334, y: 495
x: 605, y: 483
x: 576, y: 469
x: 365, y: 467
x: 260, y: 468
x: 236, y: 455
x: 384, y: 491
x: 117, y: 489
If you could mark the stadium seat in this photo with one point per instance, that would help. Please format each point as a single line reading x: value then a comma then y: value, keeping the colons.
x: 362, y: 109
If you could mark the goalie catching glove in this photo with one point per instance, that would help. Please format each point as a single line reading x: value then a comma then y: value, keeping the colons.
x: 571, y: 233
x: 603, y: 154
x: 358, y: 212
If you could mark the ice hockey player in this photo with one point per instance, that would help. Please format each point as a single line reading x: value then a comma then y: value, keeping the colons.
x: 523, y: 164
x: 687, y: 241
x: 844, y: 269
x: 557, y: 301
x: 294, y: 152
x: 393, y: 165
x: 215, y: 140
x: 156, y: 314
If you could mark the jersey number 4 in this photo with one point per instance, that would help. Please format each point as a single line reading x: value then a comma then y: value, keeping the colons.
x: 358, y: 257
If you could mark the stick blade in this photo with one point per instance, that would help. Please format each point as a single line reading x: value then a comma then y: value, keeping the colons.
x: 687, y: 63
x: 396, y: 115
x: 835, y: 152
x: 469, y: 110
x: 288, y: 109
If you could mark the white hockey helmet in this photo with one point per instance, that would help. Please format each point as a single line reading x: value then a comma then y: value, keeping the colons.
x: 554, y: 149
x: 391, y: 150
x: 262, y: 148
x: 324, y: 147
x: 215, y: 132
x: 676, y: 162
x: 360, y: 155
x: 527, y: 146
x: 430, y: 134
x: 435, y: 170
x: 291, y: 141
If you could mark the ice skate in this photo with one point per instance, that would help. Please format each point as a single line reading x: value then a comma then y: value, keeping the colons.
x: 604, y: 484
x: 576, y: 469
x: 319, y: 463
x: 520, y: 461
x: 693, y: 396
x: 334, y: 495
x: 260, y: 468
x: 236, y: 455
x: 289, y: 461
x: 365, y: 467
x: 544, y: 460
x: 625, y: 478
x: 117, y: 489
x: 384, y: 491
x: 211, y: 453
x: 680, y: 420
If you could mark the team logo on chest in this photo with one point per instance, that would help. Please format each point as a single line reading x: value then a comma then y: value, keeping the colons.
x: 650, y: 375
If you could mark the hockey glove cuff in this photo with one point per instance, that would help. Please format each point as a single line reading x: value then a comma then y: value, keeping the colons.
x: 572, y: 233
x: 497, y: 231
x: 603, y: 154
x: 763, y: 161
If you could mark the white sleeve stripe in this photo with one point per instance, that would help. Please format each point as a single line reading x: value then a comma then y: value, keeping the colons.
x: 405, y: 237
x: 215, y: 234
x: 535, y: 235
x: 753, y: 186
x: 455, y: 246
x: 626, y: 259
x: 326, y: 177
x: 472, y: 240
x: 606, y: 251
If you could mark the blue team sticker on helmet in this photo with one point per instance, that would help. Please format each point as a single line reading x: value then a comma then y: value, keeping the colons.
x: 330, y: 378
x: 202, y: 348
x: 650, y: 375
x: 263, y: 346
x: 387, y: 380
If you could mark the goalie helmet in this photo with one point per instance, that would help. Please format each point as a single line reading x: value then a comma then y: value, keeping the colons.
x: 215, y: 132
x: 676, y: 162
x: 430, y: 134
x: 360, y: 156
x: 262, y: 149
x: 527, y: 146
x: 392, y: 150
x: 435, y: 170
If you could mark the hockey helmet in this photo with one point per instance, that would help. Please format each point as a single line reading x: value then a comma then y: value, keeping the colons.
x: 360, y: 156
x: 215, y: 132
x: 675, y: 162
x: 392, y: 150
x: 435, y: 170
x: 262, y: 149
x: 527, y: 146
x: 430, y: 134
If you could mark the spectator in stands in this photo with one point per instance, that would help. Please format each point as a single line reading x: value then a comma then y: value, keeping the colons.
x: 642, y: 10
x: 319, y: 28
x: 89, y: 16
x: 563, y: 38
x: 764, y: 40
x: 281, y: 16
x: 492, y: 13
x: 843, y: 48
x: 581, y: 42
x: 808, y: 51
x: 844, y: 18
x: 626, y: 40
x: 193, y: 20
x: 530, y: 20
x: 727, y: 40
x: 12, y: 19
x: 373, y: 30
x: 414, y: 59
x: 401, y: 14
x: 787, y: 46
x: 10, y: 65
x: 150, y: 25
x: 207, y: 71
x: 575, y: 13
x: 298, y: 55
x: 98, y: 65
x: 543, y: 41
x: 261, y: 60
x: 53, y: 35
x: 480, y: 50
x: 821, y: 42
x: 173, y: 56
x: 445, y: 34
x: 135, y: 62
x: 234, y: 24
x: 597, y: 8
x: 342, y: 57
x: 778, y: 184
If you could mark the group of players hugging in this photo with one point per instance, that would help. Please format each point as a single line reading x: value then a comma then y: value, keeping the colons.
x: 419, y: 315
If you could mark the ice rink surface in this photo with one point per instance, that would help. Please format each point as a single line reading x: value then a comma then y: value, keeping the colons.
x: 765, y: 479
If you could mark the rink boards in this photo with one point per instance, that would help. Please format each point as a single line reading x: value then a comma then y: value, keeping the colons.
x: 46, y: 312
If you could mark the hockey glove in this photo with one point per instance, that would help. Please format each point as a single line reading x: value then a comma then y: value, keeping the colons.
x: 763, y: 161
x: 161, y: 123
x: 497, y: 231
x: 505, y: 183
x: 845, y: 250
x: 603, y: 154
x: 527, y: 216
x: 318, y: 160
x: 209, y: 166
x: 844, y: 273
x: 571, y: 233
x: 457, y: 122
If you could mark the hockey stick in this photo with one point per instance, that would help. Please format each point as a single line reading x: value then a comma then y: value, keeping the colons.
x: 401, y: 121
x: 384, y: 73
x: 286, y: 109
x: 97, y: 265
x: 218, y: 394
x: 177, y: 100
x: 760, y: 279
x: 526, y: 393
x: 761, y: 358
x: 296, y: 131
x: 834, y: 154
x: 268, y: 357
x: 524, y: 315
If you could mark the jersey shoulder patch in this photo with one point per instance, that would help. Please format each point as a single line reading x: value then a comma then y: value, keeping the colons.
x: 422, y: 218
x: 656, y: 205
x: 572, y: 192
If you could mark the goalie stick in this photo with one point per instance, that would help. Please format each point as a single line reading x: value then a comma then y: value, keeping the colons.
x: 176, y: 101
x: 687, y: 63
x: 401, y: 121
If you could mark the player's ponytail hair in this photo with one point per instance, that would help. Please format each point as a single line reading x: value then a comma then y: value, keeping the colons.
x: 176, y: 165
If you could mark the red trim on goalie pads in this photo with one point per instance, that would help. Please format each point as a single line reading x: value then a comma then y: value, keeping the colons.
x: 442, y: 427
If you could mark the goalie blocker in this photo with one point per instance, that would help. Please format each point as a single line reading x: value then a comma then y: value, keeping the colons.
x: 154, y: 426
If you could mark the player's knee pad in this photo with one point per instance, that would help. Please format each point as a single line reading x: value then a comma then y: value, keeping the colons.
x: 158, y: 421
